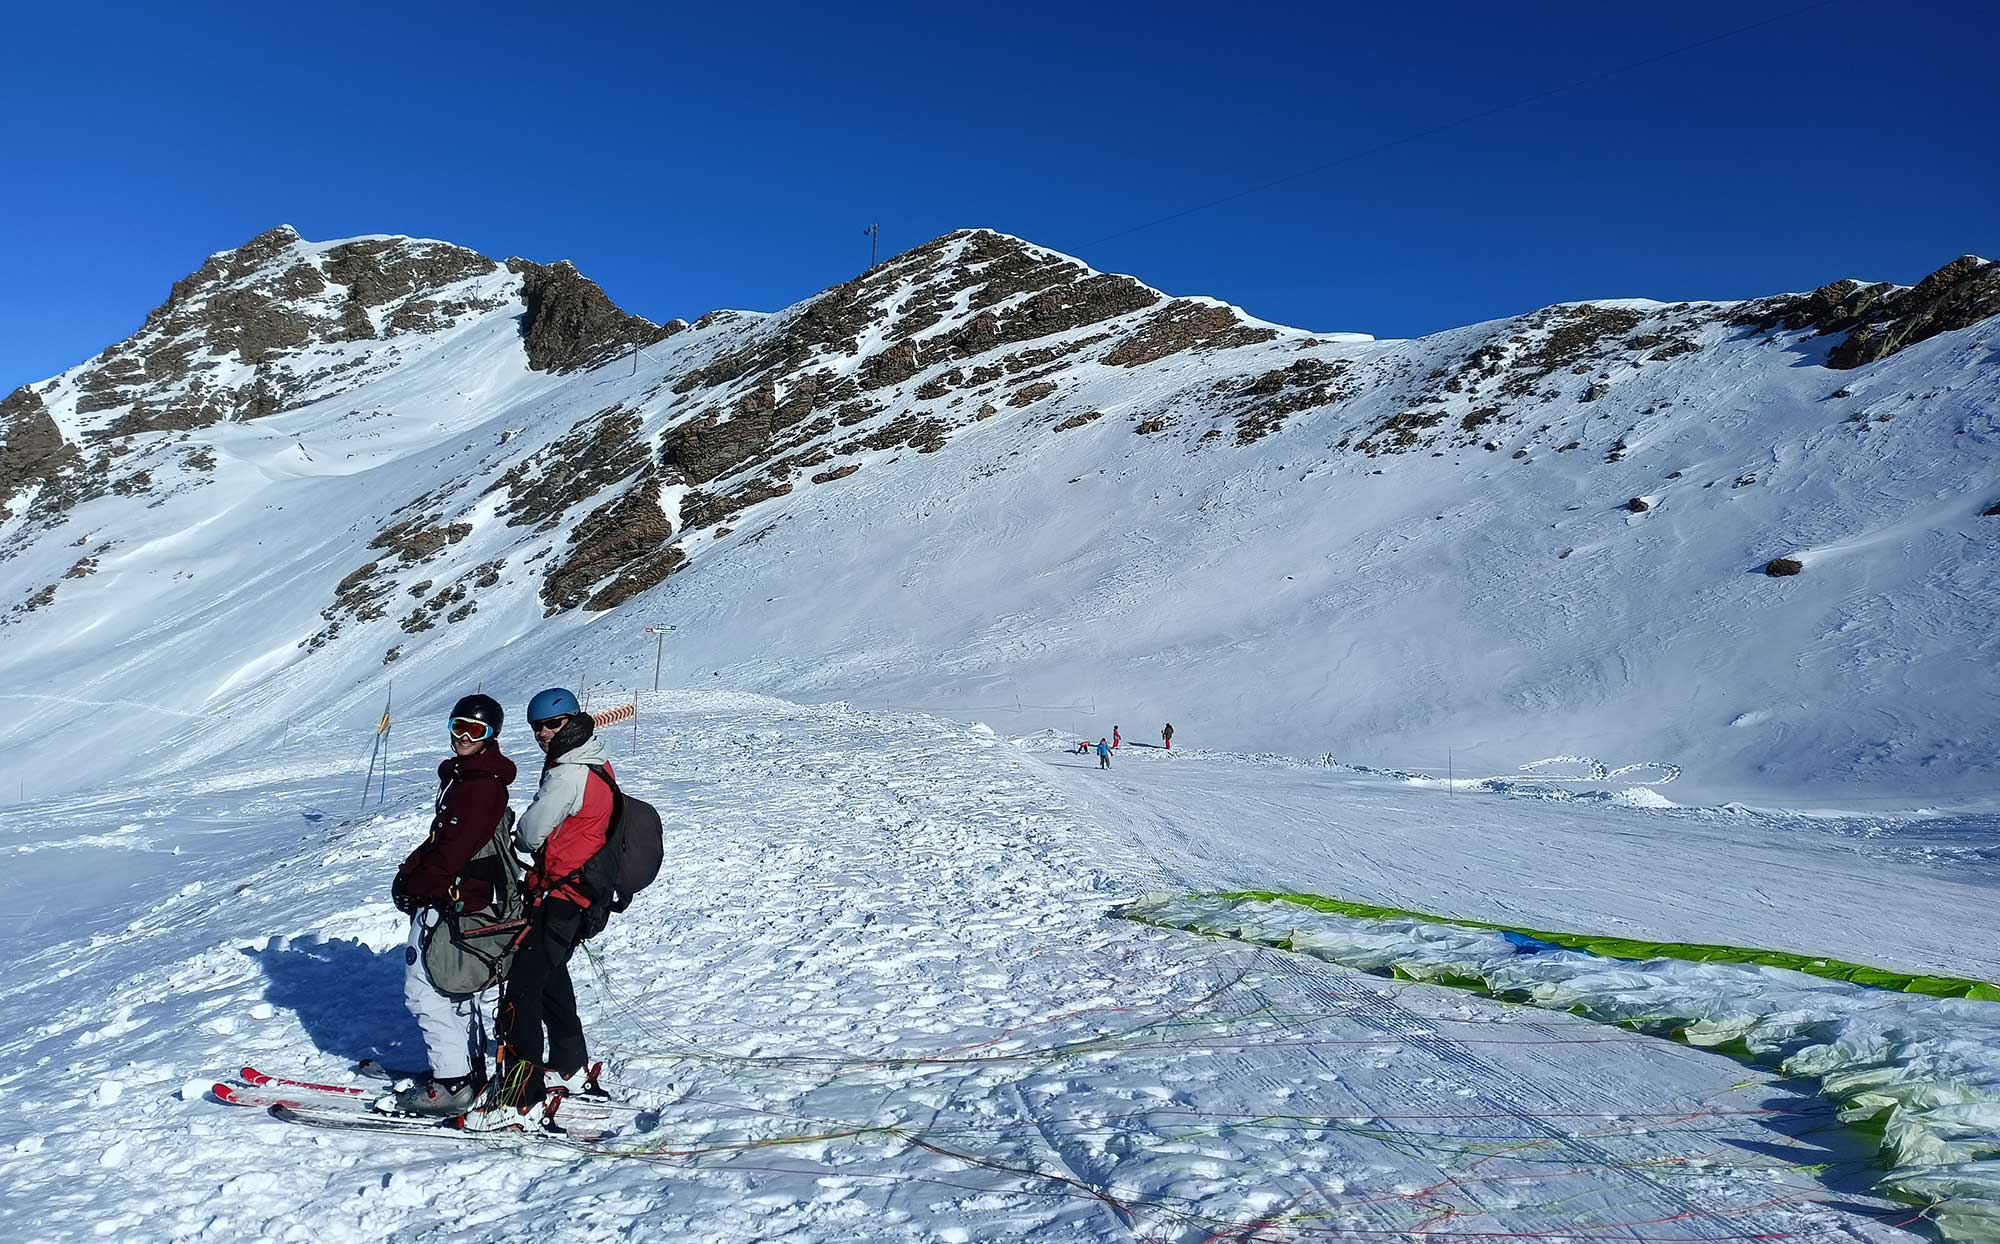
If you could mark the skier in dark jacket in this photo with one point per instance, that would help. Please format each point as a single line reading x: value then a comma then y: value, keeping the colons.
x: 441, y: 877
x: 1167, y: 736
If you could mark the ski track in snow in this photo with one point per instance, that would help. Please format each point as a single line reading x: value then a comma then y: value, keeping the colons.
x: 876, y: 995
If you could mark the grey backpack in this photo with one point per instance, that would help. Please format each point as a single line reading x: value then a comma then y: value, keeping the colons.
x: 468, y: 952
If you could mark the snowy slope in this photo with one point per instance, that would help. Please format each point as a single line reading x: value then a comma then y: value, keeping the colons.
x: 879, y: 994
x: 982, y: 476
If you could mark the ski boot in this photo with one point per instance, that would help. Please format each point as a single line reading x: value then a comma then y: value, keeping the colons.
x: 431, y: 1097
x: 538, y: 1115
x: 515, y: 1098
x: 580, y: 1085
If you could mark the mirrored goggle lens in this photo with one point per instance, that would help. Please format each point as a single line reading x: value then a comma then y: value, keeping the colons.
x: 467, y: 728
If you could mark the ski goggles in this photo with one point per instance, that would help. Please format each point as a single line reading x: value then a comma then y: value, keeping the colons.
x: 470, y: 729
x: 549, y: 723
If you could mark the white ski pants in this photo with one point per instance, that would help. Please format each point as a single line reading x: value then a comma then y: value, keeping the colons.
x: 455, y: 1029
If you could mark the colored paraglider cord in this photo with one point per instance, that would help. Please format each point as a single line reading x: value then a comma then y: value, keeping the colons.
x: 948, y: 1140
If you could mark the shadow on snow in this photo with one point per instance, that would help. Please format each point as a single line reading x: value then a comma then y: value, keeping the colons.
x: 348, y: 997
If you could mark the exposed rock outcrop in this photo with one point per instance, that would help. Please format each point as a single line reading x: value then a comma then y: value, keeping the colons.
x: 715, y: 443
x: 1882, y: 319
x: 1184, y: 324
x: 1958, y: 295
x: 628, y: 540
x: 599, y: 452
x: 31, y: 446
x: 570, y: 324
x: 1276, y: 395
x: 378, y: 271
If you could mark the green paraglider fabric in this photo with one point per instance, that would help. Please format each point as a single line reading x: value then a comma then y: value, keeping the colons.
x: 1628, y: 948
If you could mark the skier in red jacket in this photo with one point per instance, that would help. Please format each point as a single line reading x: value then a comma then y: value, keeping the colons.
x: 564, y: 826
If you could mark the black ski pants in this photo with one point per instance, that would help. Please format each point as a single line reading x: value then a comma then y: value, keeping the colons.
x: 539, y: 992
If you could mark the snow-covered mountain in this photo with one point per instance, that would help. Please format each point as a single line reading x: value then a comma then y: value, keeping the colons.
x: 983, y: 479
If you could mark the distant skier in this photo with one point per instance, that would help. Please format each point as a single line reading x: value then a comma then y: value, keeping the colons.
x: 454, y: 875
x: 564, y: 826
x: 1114, y: 738
x: 1083, y: 747
x: 1167, y: 736
x: 1103, y: 754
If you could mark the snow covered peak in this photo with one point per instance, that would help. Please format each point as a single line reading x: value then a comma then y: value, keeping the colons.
x: 270, y: 324
x: 281, y: 323
x: 274, y: 323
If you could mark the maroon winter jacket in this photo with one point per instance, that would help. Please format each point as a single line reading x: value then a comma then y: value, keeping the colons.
x: 472, y: 796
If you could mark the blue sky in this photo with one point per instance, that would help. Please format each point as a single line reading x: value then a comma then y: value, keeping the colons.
x: 694, y: 159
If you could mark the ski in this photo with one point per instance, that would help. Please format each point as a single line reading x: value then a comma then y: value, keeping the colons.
x: 261, y: 1090
x: 261, y: 1099
x: 258, y: 1079
x: 368, y: 1108
x: 578, y: 1105
x: 333, y: 1119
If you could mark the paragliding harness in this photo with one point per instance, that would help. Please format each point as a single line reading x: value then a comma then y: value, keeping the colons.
x: 627, y: 863
x: 467, y: 952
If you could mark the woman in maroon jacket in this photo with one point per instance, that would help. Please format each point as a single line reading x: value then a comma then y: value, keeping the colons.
x: 441, y: 877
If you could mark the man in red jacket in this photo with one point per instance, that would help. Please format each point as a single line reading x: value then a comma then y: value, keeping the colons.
x: 564, y: 826
x: 441, y: 877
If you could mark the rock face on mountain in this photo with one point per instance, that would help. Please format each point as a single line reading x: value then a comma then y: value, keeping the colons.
x: 31, y: 446
x: 1881, y: 319
x: 569, y: 324
x: 967, y: 295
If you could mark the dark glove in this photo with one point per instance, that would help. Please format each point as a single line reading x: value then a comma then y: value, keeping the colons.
x: 405, y: 901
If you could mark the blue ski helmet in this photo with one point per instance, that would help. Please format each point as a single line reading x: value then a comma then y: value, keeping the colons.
x: 555, y: 702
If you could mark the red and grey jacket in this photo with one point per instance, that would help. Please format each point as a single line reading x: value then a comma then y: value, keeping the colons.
x: 571, y: 814
x: 472, y: 797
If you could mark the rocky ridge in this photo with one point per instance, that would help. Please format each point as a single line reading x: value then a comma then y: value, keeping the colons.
x: 738, y: 410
